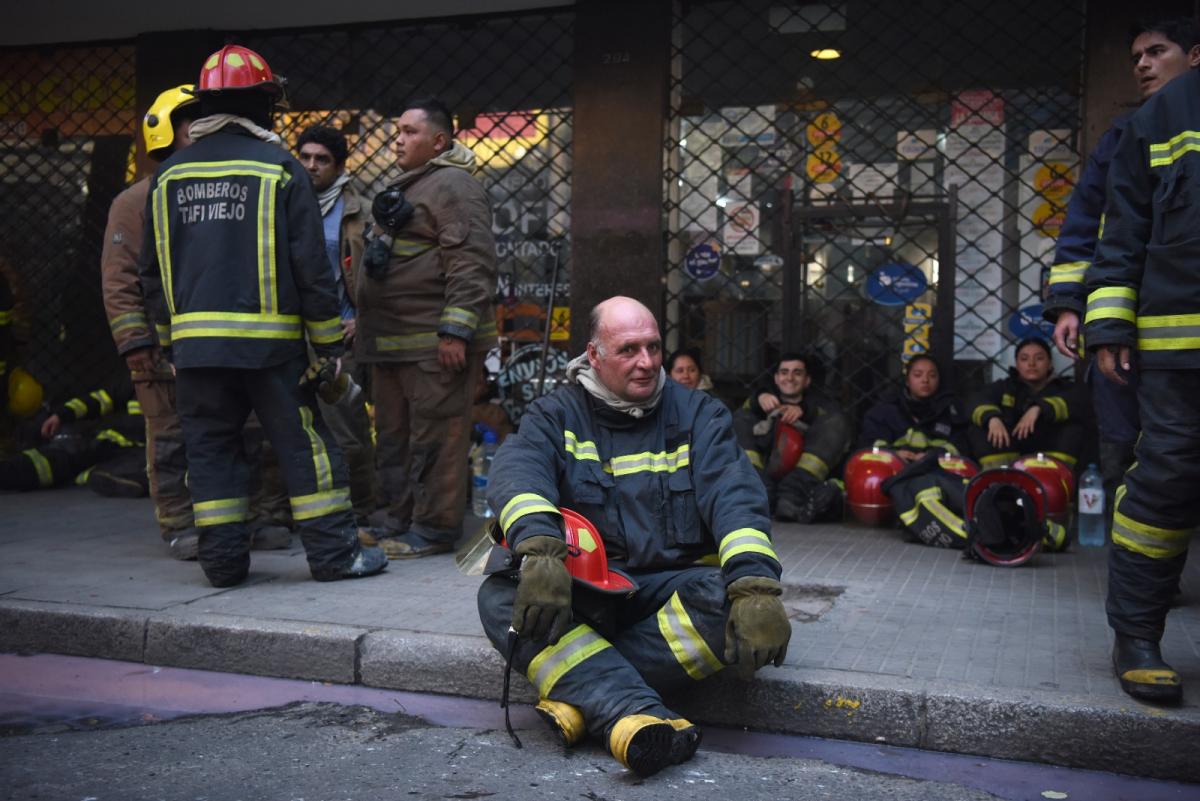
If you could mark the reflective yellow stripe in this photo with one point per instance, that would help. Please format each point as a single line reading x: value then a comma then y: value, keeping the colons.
x: 77, y: 406
x: 162, y: 242
x: 981, y: 410
x: 320, y: 456
x: 487, y: 329
x: 578, y: 644
x: 42, y: 466
x: 1065, y: 458
x: 690, y: 650
x: 646, y: 462
x: 319, y: 504
x: 237, y: 325
x: 1070, y: 272
x: 164, y: 334
x: 583, y: 451
x: 745, y: 540
x: 407, y: 248
x: 324, y: 332
x: 931, y: 499
x: 104, y: 399
x: 710, y: 559
x: 116, y: 438
x: 234, y: 168
x: 813, y: 465
x: 81, y: 479
x: 1112, y: 303
x: 224, y: 510
x: 268, y: 290
x: 910, y: 517
x: 1059, y: 406
x: 1169, y: 332
x: 1153, y: 541
x: 1165, y: 153
x: 453, y: 315
x: 133, y: 407
x: 912, y: 438
x: 755, y: 458
x: 1008, y: 399
x: 998, y: 459
x: 524, y: 504
x: 6, y: 316
x: 1055, y: 537
x: 407, y: 342
x: 128, y: 322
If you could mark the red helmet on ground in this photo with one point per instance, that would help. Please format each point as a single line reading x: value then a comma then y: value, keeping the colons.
x: 865, y: 473
x: 789, y: 446
x: 1005, y: 514
x: 958, y: 465
x: 586, y: 560
x: 237, y: 68
x: 1057, y: 481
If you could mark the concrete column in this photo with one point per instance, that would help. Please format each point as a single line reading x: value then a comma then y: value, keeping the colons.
x: 622, y: 53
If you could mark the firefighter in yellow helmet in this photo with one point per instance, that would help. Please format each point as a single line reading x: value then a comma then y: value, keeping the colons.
x: 164, y: 130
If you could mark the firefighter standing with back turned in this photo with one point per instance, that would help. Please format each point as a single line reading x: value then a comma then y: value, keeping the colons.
x: 236, y: 277
x: 1143, y: 293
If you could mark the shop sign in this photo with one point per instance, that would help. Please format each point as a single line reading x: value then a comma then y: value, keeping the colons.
x: 896, y: 284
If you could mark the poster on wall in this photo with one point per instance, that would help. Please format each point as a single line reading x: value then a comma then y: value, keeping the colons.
x: 740, y: 233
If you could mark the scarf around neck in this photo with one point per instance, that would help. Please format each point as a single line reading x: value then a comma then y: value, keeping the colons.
x: 328, y: 198
x: 579, y: 371
x: 215, y: 122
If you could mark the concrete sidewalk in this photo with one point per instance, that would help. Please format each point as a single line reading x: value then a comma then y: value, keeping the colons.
x: 893, y: 642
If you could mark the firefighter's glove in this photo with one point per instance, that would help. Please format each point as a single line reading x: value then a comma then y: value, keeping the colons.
x: 542, y: 609
x: 326, y: 376
x: 758, y: 629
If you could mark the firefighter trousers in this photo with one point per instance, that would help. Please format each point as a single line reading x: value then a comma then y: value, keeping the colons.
x: 826, y: 441
x: 620, y: 653
x: 350, y: 424
x: 1156, y: 509
x: 166, y: 457
x: 214, y: 404
x: 423, y: 423
x: 55, y: 464
x: 1063, y: 441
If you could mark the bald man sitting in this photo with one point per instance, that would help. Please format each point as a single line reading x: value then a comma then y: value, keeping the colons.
x: 692, y: 582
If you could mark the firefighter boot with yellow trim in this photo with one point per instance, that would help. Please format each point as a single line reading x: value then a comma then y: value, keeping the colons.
x: 646, y: 744
x: 563, y: 718
x: 1143, y: 673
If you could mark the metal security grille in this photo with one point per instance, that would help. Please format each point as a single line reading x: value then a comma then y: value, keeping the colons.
x: 67, y: 121
x: 508, y: 82
x: 866, y: 181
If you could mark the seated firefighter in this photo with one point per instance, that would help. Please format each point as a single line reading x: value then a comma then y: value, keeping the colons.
x: 917, y: 418
x: 1031, y: 411
x: 96, y: 439
x: 657, y: 469
x: 800, y: 489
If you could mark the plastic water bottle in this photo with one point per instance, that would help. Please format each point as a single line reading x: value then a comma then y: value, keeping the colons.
x: 1091, y: 508
x: 481, y: 465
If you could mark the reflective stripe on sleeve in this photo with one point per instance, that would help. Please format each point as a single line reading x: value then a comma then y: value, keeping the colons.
x: 42, y: 465
x: 324, y: 332
x: 1070, y: 272
x: 127, y: 322
x: 981, y: 410
x: 104, y: 399
x: 526, y: 503
x: 1112, y: 303
x: 1059, y: 406
x: 1163, y: 154
x: 745, y: 540
x: 453, y: 315
x: 77, y: 406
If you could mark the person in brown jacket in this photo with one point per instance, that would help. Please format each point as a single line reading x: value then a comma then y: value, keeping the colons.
x: 165, y: 129
x: 425, y: 322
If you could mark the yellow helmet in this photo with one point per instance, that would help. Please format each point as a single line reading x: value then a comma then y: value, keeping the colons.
x: 157, y: 127
x: 24, y: 393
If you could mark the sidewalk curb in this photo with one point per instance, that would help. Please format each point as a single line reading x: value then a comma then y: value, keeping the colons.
x: 1047, y: 727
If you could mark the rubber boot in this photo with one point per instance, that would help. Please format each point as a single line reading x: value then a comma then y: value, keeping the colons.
x: 366, y: 562
x: 566, y: 720
x: 646, y: 744
x: 1143, y: 673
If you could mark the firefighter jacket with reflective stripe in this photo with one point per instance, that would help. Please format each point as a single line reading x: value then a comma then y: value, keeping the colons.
x: 1076, y: 245
x: 902, y: 421
x: 670, y: 489
x: 1144, y: 286
x: 123, y: 300
x: 123, y: 423
x: 1009, y: 398
x: 235, y: 268
x: 442, y: 275
x: 350, y: 241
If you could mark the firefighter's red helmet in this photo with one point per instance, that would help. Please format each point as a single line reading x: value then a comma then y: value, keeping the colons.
x: 958, y: 465
x: 1005, y: 515
x: 587, y: 561
x: 1057, y: 482
x: 234, y: 67
x: 865, y: 473
x: 789, y: 446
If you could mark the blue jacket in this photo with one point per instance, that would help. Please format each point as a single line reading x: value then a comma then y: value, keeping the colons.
x: 671, y: 489
x: 1076, y: 246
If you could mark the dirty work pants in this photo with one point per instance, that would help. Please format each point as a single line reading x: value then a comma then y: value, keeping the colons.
x: 423, y: 424
x: 166, y: 457
x: 1156, y: 509
x: 620, y: 653
x: 55, y: 464
x: 213, y: 406
x: 351, y: 427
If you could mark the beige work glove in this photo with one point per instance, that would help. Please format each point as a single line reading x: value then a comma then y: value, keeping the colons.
x: 758, y: 629
x: 327, y: 376
x: 542, y: 609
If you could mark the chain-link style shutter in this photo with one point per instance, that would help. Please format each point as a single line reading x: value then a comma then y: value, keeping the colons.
x: 866, y: 181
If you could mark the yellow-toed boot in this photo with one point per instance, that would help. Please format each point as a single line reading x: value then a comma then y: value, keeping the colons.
x: 646, y: 744
x: 565, y: 719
